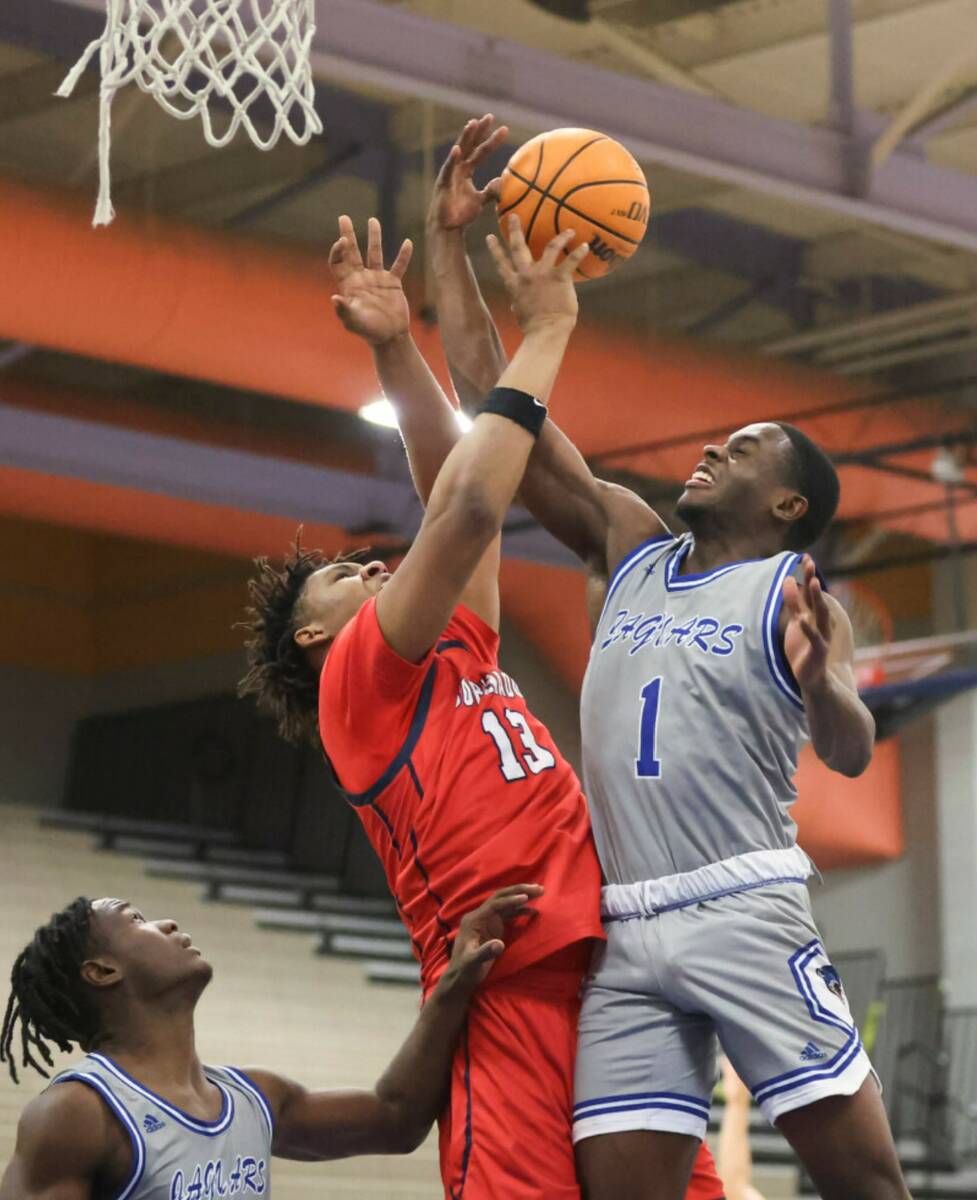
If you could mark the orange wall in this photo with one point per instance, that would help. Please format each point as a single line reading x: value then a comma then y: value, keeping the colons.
x: 851, y: 822
x: 85, y: 603
x: 247, y: 314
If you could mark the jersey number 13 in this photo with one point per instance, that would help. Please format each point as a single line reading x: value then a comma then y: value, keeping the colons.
x: 536, y: 757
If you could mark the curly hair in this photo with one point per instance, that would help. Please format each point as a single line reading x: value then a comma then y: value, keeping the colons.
x: 279, y: 675
x: 48, y: 998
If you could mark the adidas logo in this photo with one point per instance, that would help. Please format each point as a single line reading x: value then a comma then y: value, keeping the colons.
x: 152, y: 1124
x: 813, y: 1053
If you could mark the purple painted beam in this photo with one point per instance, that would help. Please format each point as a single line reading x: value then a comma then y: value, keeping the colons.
x: 362, y: 41
x: 168, y: 466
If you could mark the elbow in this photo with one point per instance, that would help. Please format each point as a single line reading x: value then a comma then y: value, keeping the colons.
x: 854, y: 761
x: 472, y: 512
x: 405, y: 1135
x: 852, y: 768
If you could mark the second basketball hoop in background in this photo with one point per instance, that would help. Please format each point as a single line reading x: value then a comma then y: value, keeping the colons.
x: 580, y: 179
x: 248, y: 58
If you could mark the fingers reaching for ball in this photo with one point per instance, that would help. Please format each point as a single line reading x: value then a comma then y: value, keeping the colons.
x: 541, y: 289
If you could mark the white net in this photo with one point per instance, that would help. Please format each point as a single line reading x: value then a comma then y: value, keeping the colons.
x: 246, y: 60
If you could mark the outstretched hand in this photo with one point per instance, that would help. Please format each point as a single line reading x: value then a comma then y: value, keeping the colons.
x: 457, y: 201
x: 541, y: 290
x: 479, y: 941
x: 370, y: 301
x: 807, y: 636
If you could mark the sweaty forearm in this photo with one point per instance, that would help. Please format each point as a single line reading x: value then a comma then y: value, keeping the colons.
x: 416, y: 1083
x: 472, y: 346
x: 425, y: 415
x: 842, y: 728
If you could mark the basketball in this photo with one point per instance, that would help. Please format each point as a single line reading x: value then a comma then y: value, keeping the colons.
x: 581, y: 179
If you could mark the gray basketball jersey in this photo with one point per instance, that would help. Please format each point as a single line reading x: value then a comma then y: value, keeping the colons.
x: 691, y: 719
x: 176, y: 1156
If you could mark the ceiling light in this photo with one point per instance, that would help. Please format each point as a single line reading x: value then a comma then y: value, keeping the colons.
x: 947, y: 468
x: 379, y: 412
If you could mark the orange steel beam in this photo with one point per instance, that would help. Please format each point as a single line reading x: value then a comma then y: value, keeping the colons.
x: 246, y: 314
x: 108, y: 509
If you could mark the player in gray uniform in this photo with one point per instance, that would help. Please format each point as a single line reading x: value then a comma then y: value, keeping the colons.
x: 140, y: 1118
x: 715, y: 655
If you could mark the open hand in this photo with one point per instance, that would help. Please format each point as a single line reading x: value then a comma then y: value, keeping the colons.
x: 479, y: 941
x: 370, y: 301
x: 457, y: 201
x: 807, y: 636
x: 542, y: 290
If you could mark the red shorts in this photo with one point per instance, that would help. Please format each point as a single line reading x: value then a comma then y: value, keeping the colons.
x: 506, y: 1133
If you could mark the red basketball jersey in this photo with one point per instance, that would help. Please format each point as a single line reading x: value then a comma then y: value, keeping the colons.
x: 461, y: 790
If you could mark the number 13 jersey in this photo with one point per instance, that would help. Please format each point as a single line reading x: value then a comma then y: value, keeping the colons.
x: 691, y: 718
x: 460, y: 789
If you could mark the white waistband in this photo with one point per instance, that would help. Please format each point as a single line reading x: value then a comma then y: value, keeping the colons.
x: 758, y: 868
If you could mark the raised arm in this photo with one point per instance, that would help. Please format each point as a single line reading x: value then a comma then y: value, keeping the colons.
x: 599, y: 522
x: 64, y: 1144
x: 395, y: 1117
x: 371, y: 303
x: 481, y: 475
x: 819, y: 648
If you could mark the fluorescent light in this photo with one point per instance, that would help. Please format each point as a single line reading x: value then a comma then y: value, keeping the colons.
x: 380, y: 412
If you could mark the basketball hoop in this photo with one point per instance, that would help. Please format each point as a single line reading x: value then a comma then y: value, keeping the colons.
x: 873, y: 629
x: 189, y: 54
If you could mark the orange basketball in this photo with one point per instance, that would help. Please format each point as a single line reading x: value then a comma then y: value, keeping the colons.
x: 579, y: 179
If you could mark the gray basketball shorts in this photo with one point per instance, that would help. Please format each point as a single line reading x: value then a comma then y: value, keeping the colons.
x: 747, y: 970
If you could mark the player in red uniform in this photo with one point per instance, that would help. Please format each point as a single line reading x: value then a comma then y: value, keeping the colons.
x: 453, y: 777
x: 459, y: 787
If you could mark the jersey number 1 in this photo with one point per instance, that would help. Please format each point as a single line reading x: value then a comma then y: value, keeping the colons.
x: 646, y: 765
x: 536, y: 757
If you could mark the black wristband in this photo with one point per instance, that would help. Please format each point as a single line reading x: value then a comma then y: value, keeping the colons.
x: 516, y: 406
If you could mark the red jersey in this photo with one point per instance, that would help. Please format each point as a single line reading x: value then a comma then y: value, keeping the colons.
x: 459, y: 787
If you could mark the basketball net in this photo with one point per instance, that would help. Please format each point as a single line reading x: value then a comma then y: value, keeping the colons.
x: 872, y: 626
x: 191, y: 53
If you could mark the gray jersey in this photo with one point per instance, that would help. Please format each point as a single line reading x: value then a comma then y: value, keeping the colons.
x: 175, y: 1156
x: 691, y: 719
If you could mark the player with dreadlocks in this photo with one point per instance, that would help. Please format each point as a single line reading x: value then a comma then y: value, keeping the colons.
x: 140, y: 1118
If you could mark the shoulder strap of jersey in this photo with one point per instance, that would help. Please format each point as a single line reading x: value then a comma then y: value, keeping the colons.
x: 235, y: 1077
x: 89, y: 1076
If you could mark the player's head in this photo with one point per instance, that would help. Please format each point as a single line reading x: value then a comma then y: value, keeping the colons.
x: 82, y: 970
x: 294, y: 615
x: 769, y: 478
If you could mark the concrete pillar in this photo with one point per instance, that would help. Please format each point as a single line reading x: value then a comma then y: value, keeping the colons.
x: 956, y: 780
x: 956, y: 798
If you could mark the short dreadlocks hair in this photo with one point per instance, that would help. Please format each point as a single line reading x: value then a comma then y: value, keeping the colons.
x: 49, y: 1000
x: 279, y: 675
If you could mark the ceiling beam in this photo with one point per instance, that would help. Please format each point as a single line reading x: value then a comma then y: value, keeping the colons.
x: 922, y: 101
x: 215, y: 475
x: 364, y: 42
x: 947, y: 114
